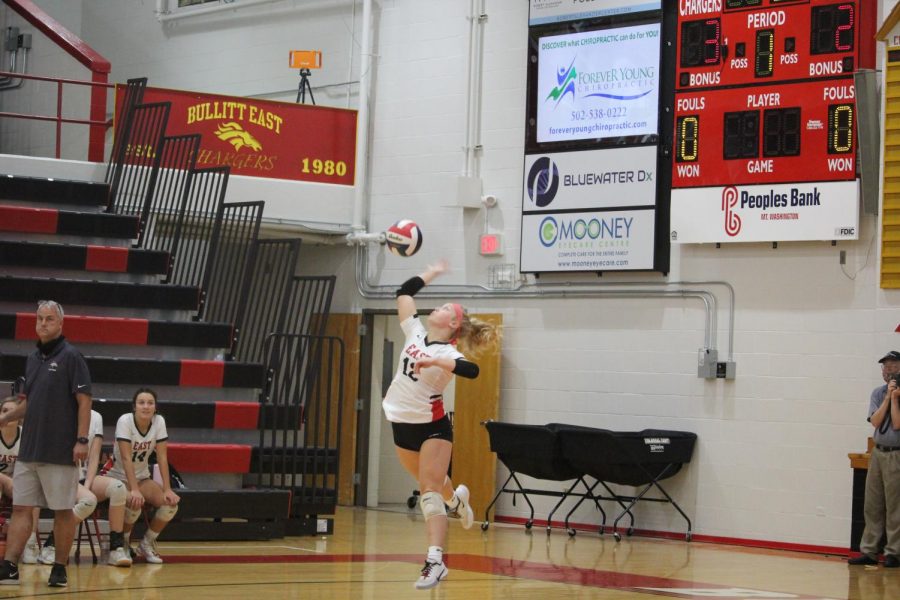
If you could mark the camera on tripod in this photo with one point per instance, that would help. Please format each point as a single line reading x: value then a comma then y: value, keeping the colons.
x: 305, y: 60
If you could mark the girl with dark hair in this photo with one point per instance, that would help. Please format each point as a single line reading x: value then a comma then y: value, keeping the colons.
x: 138, y: 435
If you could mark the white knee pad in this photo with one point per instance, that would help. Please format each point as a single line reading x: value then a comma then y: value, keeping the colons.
x: 165, y: 512
x: 84, y: 507
x: 132, y: 515
x: 432, y: 505
x: 117, y: 493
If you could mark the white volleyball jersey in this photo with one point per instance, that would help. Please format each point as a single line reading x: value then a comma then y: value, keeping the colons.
x: 418, y: 398
x: 10, y: 454
x: 95, y: 429
x: 143, y: 443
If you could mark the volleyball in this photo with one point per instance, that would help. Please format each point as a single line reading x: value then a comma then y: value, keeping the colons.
x: 403, y: 238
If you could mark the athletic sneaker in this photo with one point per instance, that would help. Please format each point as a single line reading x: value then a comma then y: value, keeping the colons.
x: 148, y: 551
x: 30, y: 553
x: 462, y: 511
x: 58, y: 576
x: 432, y: 574
x: 119, y: 557
x: 47, y: 555
x: 9, y: 573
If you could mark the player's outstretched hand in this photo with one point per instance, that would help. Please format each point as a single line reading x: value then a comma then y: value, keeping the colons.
x: 435, y: 269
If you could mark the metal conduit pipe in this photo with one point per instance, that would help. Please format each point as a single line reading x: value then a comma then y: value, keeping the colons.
x: 6, y: 82
x: 366, y: 63
x: 648, y: 290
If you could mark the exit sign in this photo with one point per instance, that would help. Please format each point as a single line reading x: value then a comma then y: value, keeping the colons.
x: 491, y: 244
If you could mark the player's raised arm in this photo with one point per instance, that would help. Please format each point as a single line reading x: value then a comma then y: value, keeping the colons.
x: 406, y: 306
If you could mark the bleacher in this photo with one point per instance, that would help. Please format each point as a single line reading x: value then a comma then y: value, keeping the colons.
x: 167, y: 285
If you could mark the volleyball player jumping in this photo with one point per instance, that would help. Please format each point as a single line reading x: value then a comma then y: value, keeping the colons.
x: 423, y: 434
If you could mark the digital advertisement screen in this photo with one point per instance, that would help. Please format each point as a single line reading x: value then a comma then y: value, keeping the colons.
x: 598, y: 84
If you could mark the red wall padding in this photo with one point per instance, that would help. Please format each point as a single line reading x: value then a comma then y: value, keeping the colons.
x: 202, y: 373
x: 29, y: 220
x: 25, y: 326
x: 109, y: 330
x: 210, y: 458
x: 90, y: 330
x: 236, y: 415
x: 106, y: 258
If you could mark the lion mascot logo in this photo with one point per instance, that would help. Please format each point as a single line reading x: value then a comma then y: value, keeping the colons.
x: 235, y: 135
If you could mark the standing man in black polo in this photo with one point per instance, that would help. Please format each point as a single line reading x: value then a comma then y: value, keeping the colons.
x: 882, y: 505
x: 57, y: 398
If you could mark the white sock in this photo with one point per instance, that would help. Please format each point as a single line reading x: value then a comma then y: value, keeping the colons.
x: 151, y: 535
x: 453, y: 502
x: 126, y: 537
x: 32, y: 539
x: 435, y: 554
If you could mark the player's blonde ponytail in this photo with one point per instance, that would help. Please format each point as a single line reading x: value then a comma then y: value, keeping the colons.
x: 475, y: 335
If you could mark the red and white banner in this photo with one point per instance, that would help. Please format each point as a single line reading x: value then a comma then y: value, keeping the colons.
x: 263, y: 138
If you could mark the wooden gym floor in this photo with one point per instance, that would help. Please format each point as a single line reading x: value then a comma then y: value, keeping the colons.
x: 376, y: 554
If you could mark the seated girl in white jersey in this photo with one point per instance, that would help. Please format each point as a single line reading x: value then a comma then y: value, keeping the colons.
x: 94, y: 488
x: 423, y: 435
x: 10, y: 436
x: 9, y: 448
x: 138, y: 435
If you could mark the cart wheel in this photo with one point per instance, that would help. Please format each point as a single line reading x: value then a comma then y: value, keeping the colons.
x: 485, y: 525
x: 571, y: 531
x: 602, y: 530
x: 528, y: 524
x: 687, y: 536
x: 618, y: 536
x: 630, y: 531
x: 411, y: 502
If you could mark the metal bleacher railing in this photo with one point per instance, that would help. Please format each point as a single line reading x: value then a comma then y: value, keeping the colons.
x: 279, y: 318
x: 299, y: 431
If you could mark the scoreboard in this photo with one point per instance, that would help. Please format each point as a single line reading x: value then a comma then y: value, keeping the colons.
x: 772, y: 133
x: 764, y: 96
x: 752, y: 42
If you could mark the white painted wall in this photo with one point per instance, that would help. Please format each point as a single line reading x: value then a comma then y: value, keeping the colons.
x: 771, y: 461
x: 45, y: 58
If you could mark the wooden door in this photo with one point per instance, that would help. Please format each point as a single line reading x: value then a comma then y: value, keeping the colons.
x: 477, y: 400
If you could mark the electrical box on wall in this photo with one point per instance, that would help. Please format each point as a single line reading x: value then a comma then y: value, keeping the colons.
x: 710, y: 367
x: 706, y: 363
x: 462, y: 191
x: 726, y: 369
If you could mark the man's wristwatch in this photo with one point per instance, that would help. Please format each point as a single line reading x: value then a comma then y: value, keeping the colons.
x: 82, y: 440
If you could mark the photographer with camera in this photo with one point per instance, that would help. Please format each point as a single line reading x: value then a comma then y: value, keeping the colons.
x: 882, y: 505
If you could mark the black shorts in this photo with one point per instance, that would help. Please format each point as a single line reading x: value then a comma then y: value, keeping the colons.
x: 411, y: 436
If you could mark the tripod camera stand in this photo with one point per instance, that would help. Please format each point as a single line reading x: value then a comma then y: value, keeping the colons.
x: 304, y: 87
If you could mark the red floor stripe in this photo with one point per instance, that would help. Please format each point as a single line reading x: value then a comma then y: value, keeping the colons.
x: 508, y: 567
x: 675, y: 535
x: 106, y: 258
x: 28, y: 220
x: 202, y: 373
x: 236, y: 415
